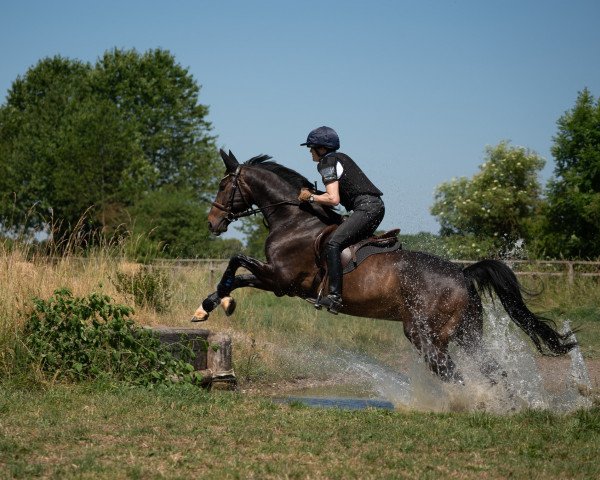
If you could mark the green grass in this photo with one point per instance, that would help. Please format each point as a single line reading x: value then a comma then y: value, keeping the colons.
x: 95, y: 431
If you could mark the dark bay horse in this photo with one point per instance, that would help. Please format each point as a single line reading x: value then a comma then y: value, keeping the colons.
x: 436, y: 300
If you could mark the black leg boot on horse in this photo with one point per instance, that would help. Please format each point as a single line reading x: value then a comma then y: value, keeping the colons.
x: 333, y: 301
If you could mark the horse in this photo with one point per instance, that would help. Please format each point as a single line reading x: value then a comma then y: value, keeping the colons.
x: 436, y: 300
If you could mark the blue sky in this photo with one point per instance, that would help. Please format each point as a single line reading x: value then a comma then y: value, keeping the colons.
x: 415, y: 89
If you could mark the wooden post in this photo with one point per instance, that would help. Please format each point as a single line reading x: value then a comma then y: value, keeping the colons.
x: 212, y: 353
x: 570, y: 274
x: 218, y: 360
x: 211, y: 268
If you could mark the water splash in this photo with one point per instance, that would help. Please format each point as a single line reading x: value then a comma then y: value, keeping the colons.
x: 522, y: 386
x: 385, y: 382
x: 515, y: 250
x: 578, y: 385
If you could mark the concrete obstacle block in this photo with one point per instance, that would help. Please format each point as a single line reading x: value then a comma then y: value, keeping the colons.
x: 212, y: 353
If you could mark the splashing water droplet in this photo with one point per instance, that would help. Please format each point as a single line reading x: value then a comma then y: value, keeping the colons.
x: 416, y: 388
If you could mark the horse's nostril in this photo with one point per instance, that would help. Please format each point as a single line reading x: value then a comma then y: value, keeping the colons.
x: 210, y: 226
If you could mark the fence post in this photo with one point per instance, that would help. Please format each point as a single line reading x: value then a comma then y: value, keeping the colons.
x: 570, y: 273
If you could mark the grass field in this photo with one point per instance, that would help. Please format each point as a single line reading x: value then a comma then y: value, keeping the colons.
x: 50, y: 429
x: 95, y: 431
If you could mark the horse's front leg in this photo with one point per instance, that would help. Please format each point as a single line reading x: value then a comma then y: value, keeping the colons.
x: 261, y: 277
x: 228, y: 303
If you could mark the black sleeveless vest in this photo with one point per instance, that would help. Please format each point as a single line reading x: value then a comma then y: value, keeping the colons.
x: 353, y: 181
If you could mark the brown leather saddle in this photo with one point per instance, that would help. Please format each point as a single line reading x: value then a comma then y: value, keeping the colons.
x: 354, y: 255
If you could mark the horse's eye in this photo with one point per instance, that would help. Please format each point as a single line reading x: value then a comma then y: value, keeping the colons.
x: 221, y: 188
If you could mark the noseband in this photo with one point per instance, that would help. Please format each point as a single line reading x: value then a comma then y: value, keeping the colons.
x: 228, y: 207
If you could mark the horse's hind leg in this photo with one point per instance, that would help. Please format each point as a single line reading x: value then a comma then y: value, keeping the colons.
x: 436, y: 356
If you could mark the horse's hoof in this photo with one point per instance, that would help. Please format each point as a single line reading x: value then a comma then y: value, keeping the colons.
x: 200, y: 315
x: 228, y: 304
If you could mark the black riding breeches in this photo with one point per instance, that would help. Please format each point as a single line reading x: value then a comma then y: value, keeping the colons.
x: 363, y: 221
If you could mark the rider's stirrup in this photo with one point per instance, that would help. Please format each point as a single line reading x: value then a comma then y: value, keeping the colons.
x: 333, y: 303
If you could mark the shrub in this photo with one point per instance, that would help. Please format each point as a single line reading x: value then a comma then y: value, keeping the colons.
x: 87, y: 338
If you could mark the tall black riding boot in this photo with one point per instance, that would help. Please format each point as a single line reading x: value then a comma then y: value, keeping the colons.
x: 333, y: 301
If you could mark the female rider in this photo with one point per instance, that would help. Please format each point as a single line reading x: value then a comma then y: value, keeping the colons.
x: 347, y: 184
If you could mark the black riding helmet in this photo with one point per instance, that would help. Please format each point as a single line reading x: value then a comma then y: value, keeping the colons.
x: 323, y: 137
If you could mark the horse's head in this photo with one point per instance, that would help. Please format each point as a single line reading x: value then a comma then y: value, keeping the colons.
x: 230, y: 199
x: 268, y: 185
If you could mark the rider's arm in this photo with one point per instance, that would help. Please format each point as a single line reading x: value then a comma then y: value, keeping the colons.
x: 331, y: 196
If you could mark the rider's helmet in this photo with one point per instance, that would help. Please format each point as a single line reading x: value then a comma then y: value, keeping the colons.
x: 323, y: 137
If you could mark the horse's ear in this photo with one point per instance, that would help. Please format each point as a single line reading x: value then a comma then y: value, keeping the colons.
x: 230, y: 161
x: 232, y: 156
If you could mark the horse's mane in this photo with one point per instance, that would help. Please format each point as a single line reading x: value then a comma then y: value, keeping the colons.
x: 293, y: 178
x: 290, y: 176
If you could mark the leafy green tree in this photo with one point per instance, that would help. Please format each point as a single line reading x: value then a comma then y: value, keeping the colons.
x: 571, y: 226
x: 169, y: 223
x: 97, y: 167
x: 79, y: 139
x: 498, y: 203
x: 32, y: 130
x: 424, y: 242
x: 160, y: 98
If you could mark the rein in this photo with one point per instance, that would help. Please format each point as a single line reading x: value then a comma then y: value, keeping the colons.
x: 249, y: 211
x: 228, y: 208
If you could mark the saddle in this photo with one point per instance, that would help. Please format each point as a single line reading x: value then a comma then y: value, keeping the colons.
x: 354, y: 255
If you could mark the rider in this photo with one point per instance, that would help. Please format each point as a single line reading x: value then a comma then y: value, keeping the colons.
x: 345, y: 183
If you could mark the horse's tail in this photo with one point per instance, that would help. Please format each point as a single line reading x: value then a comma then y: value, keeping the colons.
x: 489, y: 276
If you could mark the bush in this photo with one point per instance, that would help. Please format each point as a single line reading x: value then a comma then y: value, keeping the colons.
x: 87, y: 338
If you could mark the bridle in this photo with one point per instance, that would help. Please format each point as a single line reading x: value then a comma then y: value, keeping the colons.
x: 228, y: 207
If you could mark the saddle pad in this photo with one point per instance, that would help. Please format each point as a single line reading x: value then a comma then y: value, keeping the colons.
x: 367, y: 251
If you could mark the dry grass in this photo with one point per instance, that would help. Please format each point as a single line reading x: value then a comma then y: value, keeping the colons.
x: 274, y: 337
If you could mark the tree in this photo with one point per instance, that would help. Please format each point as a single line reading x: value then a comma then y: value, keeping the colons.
x: 499, y: 202
x: 98, y: 167
x: 169, y: 223
x: 76, y: 138
x: 160, y: 98
x: 32, y: 129
x: 571, y: 226
x: 256, y: 234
